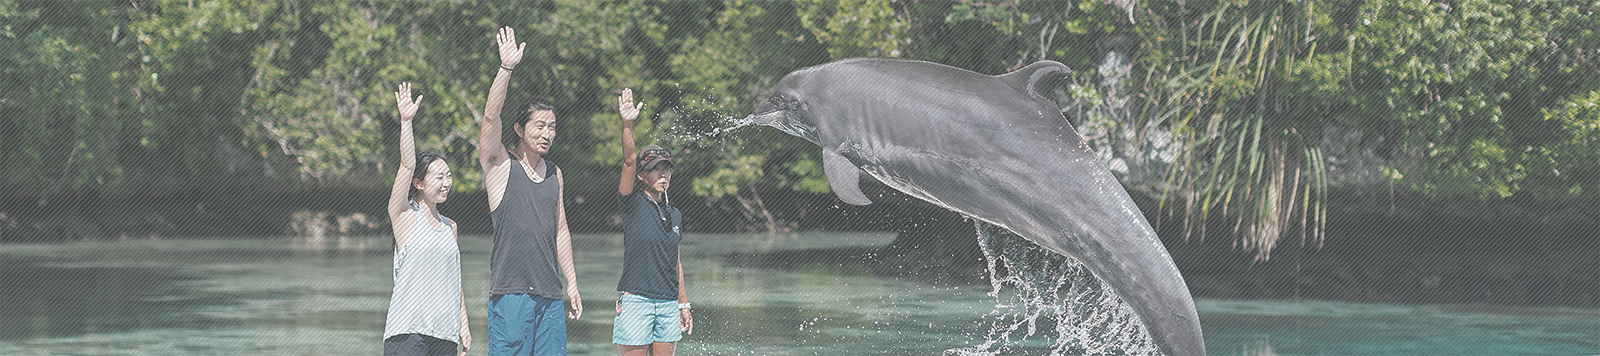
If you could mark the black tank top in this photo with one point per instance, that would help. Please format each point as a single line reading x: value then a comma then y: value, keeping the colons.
x: 524, y: 256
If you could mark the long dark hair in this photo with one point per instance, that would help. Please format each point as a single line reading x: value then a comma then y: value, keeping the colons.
x: 420, y: 172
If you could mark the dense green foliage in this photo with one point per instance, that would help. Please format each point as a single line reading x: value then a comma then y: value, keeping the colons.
x: 1473, y: 98
x: 1492, y: 97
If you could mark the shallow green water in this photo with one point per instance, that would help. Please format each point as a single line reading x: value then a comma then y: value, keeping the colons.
x: 753, y: 295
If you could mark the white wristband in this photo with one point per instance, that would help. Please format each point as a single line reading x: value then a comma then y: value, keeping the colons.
x: 683, y: 305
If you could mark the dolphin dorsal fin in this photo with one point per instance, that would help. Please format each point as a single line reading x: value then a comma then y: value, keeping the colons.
x: 843, y: 177
x: 1037, y: 79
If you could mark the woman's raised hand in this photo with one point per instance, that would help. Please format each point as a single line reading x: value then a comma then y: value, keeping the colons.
x: 626, y: 107
x: 402, y: 98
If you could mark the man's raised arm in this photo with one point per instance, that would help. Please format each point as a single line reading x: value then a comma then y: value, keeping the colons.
x: 491, y: 152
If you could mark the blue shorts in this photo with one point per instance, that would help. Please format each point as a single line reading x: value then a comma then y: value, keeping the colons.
x: 643, y: 321
x: 521, y: 324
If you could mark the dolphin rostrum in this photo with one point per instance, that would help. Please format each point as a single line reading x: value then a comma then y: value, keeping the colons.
x: 995, y: 148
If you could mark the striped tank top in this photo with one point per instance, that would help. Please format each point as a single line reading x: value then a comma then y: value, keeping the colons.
x: 427, y: 283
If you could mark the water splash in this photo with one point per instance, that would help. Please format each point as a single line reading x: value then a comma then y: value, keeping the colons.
x: 703, y: 121
x: 1039, y: 289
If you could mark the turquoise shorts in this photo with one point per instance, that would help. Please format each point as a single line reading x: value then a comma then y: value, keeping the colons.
x: 643, y: 321
x: 521, y: 324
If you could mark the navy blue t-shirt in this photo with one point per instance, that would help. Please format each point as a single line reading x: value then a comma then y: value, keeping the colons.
x: 650, y: 236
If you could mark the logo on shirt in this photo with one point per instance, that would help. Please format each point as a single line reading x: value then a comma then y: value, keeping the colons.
x: 675, y: 229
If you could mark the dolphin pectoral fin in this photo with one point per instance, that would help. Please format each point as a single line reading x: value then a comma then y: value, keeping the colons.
x: 843, y: 177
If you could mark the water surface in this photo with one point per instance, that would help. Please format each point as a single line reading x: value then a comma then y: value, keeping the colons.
x: 803, y: 294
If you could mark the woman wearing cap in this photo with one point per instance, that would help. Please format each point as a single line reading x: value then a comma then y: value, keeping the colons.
x: 653, y: 310
x: 427, y: 314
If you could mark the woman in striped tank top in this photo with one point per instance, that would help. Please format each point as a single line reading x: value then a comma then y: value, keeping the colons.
x: 427, y: 314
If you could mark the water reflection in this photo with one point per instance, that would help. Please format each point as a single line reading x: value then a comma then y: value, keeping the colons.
x: 44, y: 299
x: 804, y: 294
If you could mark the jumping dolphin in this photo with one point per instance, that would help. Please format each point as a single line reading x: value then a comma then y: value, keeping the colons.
x: 995, y: 148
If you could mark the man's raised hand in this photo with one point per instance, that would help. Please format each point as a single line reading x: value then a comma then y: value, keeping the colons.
x: 510, y: 50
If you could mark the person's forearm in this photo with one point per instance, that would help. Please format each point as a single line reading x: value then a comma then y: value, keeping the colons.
x: 408, y: 146
x: 683, y: 289
x: 464, y: 310
x: 497, y: 95
x: 627, y: 144
x: 625, y: 185
x: 564, y: 258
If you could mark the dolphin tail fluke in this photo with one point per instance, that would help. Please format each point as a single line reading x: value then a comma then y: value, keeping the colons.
x: 843, y: 177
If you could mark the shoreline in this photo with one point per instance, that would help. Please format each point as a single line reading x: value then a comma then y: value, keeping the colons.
x: 1379, y: 248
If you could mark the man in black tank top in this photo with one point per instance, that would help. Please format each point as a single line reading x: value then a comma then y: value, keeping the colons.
x: 532, y: 247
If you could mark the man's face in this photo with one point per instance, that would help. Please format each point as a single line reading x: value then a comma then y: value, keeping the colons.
x: 539, y: 132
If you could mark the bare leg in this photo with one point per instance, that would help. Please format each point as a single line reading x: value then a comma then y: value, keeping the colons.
x: 641, y: 350
x: 663, y: 348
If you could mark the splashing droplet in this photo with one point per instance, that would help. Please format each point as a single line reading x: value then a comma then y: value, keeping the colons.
x: 1036, y: 288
